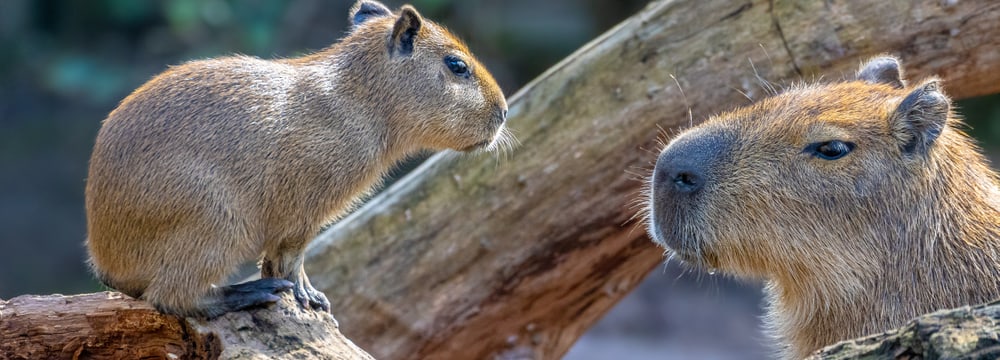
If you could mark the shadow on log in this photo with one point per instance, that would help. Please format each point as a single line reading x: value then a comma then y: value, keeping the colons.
x: 962, y: 333
x: 109, y: 325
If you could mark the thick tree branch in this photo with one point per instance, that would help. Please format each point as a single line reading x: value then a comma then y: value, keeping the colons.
x: 469, y: 257
x: 109, y: 325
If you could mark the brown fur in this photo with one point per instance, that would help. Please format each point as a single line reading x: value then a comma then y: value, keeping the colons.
x: 850, y: 246
x: 216, y: 162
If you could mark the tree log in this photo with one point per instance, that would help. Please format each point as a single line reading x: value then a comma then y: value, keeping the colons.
x: 109, y: 325
x: 471, y: 257
x: 963, y: 333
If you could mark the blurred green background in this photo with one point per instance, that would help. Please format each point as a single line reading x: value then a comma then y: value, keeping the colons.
x: 65, y: 64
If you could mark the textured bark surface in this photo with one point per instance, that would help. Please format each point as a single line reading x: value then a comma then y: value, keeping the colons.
x: 109, y: 325
x: 471, y: 257
x: 963, y: 333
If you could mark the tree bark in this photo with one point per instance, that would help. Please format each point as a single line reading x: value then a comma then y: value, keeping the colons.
x: 963, y: 333
x: 109, y: 325
x: 474, y: 257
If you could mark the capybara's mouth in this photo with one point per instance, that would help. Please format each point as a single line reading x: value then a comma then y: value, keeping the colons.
x: 681, y: 247
x: 693, y: 253
x: 667, y: 225
x: 476, y: 146
x: 671, y: 228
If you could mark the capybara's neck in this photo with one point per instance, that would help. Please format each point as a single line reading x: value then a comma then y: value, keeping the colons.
x: 337, y: 90
x: 939, y: 246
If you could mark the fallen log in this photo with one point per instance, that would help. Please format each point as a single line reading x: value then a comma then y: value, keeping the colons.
x: 470, y: 257
x: 109, y: 325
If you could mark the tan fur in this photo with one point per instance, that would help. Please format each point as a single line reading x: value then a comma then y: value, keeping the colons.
x: 216, y: 162
x: 851, y: 246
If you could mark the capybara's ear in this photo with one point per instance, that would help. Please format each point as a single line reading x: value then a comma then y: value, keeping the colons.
x: 404, y: 33
x: 882, y: 70
x: 365, y: 10
x: 921, y: 117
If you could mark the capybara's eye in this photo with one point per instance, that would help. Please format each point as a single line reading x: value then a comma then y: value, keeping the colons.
x: 457, y: 66
x: 830, y: 150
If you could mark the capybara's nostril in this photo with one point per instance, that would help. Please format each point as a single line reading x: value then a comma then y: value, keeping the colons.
x: 686, y: 181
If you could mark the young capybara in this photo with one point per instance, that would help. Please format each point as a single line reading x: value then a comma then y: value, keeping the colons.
x: 217, y: 162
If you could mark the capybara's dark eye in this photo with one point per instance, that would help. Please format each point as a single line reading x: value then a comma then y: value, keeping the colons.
x: 457, y: 66
x: 830, y: 150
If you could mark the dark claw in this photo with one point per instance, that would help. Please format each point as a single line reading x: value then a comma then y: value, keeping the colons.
x: 310, y: 298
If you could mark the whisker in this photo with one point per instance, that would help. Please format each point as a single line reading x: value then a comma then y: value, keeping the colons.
x: 767, y: 86
x: 768, y: 56
x: 686, y: 103
x: 742, y: 93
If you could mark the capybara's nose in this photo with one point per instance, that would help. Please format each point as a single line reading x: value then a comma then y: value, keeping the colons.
x: 685, y: 179
x: 690, y: 162
x: 679, y: 171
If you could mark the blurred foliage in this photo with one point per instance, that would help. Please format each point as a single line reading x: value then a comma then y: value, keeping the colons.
x: 65, y: 64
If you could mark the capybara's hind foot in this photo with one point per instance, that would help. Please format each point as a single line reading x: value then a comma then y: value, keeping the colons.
x: 248, y: 295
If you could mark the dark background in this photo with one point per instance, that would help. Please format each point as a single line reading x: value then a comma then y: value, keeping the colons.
x: 65, y: 64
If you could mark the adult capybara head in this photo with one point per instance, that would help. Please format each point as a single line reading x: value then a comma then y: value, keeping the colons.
x: 449, y: 99
x: 860, y: 201
x: 792, y: 184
